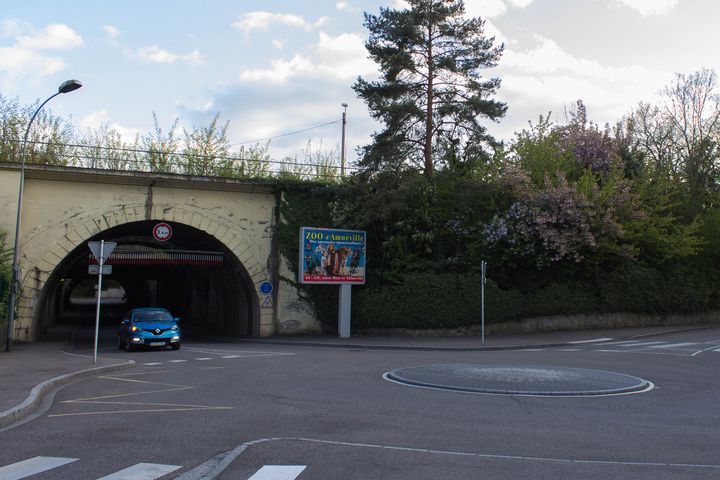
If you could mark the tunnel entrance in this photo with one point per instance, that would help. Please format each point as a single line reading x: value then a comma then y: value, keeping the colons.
x: 192, y: 274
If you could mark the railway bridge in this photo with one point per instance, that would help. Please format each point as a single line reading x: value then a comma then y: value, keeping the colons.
x: 206, y: 264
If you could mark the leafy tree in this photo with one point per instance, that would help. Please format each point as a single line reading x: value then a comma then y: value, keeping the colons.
x: 431, y: 95
x: 47, y: 140
x: 205, y: 147
x: 161, y: 148
x: 104, y: 147
x: 680, y: 137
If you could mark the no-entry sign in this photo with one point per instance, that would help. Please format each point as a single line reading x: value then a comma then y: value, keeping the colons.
x: 162, y: 232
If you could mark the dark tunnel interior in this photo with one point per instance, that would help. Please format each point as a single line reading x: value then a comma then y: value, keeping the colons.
x: 209, y: 298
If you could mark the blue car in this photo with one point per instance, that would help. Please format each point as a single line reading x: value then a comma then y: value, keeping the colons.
x: 149, y: 327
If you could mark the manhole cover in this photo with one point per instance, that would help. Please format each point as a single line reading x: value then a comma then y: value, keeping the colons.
x: 519, y: 380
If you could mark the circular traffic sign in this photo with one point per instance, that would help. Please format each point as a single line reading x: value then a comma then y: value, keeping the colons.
x: 162, y: 232
x: 266, y: 288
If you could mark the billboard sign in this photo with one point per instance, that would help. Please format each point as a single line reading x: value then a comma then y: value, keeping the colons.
x: 332, y: 256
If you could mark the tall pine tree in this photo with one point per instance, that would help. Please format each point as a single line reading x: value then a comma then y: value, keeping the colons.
x: 431, y: 96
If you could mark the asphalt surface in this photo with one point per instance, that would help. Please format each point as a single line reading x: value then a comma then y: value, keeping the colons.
x: 31, y: 370
x: 320, y: 407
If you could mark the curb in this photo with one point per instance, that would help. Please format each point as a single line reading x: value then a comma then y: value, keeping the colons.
x: 31, y: 403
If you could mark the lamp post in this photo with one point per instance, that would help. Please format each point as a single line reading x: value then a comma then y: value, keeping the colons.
x: 65, y: 87
x: 342, y: 145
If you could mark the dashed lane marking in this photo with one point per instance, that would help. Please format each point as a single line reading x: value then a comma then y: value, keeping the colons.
x: 592, y: 341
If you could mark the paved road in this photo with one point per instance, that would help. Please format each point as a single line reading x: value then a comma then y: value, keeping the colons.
x: 285, y: 412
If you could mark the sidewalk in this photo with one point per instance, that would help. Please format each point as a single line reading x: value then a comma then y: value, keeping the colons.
x: 31, y: 370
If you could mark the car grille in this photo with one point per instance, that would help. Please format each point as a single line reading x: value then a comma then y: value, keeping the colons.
x: 156, y: 331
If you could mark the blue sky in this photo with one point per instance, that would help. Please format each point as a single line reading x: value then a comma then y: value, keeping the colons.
x: 275, y: 67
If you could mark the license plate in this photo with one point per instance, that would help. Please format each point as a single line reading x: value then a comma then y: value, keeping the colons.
x: 157, y: 344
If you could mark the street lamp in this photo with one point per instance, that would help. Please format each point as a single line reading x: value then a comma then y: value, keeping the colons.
x: 65, y: 87
x: 342, y: 147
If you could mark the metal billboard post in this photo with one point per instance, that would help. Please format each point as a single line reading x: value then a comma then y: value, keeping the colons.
x: 344, y: 310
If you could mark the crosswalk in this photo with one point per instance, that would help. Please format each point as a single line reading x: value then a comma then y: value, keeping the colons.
x: 660, y: 347
x: 140, y: 471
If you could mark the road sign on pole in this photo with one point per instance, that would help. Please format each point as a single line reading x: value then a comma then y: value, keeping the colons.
x: 95, y: 269
x: 101, y: 250
x: 104, y: 252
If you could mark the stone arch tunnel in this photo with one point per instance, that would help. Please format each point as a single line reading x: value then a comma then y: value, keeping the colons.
x: 203, y: 283
x: 64, y: 208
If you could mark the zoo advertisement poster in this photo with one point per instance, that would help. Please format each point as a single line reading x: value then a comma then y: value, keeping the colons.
x: 332, y: 256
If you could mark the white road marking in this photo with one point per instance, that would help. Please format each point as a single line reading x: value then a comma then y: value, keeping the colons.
x: 244, y: 353
x: 620, y: 343
x: 142, y: 471
x: 177, y: 361
x: 592, y: 341
x: 202, y: 359
x: 569, y: 349
x: 32, y: 466
x: 640, y: 344
x: 674, y: 345
x: 152, y: 364
x: 278, y: 472
x: 230, y: 356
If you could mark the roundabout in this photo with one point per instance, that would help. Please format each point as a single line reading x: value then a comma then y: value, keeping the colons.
x: 519, y: 380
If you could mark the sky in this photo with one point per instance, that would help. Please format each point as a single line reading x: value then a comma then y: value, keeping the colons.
x: 281, y: 69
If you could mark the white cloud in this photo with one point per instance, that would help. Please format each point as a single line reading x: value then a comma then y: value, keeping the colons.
x: 281, y: 70
x: 492, y: 8
x: 547, y: 77
x: 112, y: 31
x: 343, y: 57
x: 53, y: 37
x: 157, y: 55
x: 100, y: 119
x: 649, y: 7
x: 25, y: 57
x: 262, y: 21
x: 345, y: 6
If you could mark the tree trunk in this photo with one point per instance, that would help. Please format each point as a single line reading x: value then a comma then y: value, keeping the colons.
x: 429, y: 108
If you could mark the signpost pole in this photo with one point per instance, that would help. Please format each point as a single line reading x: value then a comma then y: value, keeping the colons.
x: 101, y: 261
x: 344, y: 310
x: 483, y: 266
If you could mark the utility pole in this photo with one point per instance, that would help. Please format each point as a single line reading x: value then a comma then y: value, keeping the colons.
x: 342, y: 145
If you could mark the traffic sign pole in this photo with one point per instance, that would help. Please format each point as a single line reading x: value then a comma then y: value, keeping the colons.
x: 101, y: 261
x: 483, y: 267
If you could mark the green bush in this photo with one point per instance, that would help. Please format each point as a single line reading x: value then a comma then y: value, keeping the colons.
x: 446, y: 300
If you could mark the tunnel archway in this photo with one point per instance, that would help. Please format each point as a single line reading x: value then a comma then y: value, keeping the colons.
x: 193, y: 274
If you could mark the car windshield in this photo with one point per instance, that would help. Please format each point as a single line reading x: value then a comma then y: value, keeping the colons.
x: 153, y: 316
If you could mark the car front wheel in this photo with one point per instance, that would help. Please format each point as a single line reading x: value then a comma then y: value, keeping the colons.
x: 175, y: 346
